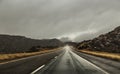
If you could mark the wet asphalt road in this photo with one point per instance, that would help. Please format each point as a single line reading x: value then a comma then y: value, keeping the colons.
x: 69, y: 62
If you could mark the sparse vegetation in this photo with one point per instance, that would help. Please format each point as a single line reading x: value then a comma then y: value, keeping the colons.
x: 112, y: 56
x: 21, y: 55
x: 109, y: 42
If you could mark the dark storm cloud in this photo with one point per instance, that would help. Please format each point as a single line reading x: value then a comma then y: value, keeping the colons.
x: 76, y: 19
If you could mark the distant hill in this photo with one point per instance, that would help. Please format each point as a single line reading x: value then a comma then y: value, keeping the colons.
x: 109, y: 42
x: 13, y: 44
x: 74, y: 44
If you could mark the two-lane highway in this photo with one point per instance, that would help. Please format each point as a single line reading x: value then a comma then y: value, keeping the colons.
x: 69, y: 63
x: 28, y: 64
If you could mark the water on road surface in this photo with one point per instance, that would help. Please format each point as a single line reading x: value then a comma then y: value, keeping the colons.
x: 70, y: 63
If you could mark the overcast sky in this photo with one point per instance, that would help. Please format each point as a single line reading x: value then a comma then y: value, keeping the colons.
x: 76, y: 19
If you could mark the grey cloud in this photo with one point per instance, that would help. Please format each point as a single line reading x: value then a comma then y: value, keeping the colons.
x: 59, y: 18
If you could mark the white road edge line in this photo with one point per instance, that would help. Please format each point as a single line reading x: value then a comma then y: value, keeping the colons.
x: 99, y: 68
x: 37, y: 69
x: 92, y: 64
x: 96, y: 66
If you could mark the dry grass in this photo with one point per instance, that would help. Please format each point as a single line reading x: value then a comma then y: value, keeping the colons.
x: 103, y: 54
x: 21, y: 55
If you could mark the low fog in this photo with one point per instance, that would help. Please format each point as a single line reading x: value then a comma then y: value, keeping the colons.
x: 74, y: 20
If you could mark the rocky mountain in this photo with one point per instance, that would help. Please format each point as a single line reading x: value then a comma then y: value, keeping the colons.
x: 109, y: 42
x: 13, y: 44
